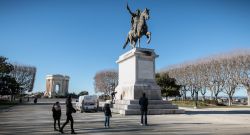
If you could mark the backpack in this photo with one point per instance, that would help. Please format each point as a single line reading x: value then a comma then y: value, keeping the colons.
x: 57, y: 107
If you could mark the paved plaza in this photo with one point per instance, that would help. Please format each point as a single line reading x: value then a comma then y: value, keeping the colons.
x: 37, y: 119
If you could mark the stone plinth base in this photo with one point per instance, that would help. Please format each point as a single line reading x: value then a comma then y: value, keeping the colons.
x: 135, y: 90
x: 137, y: 76
x: 155, y: 107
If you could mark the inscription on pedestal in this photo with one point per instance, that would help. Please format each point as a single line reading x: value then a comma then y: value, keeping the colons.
x: 145, y: 69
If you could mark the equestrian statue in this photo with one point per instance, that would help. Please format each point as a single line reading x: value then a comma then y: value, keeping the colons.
x: 138, y: 27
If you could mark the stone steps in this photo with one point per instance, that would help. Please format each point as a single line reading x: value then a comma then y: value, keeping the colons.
x: 150, y: 111
x: 137, y: 106
x: 127, y: 102
x: 155, y: 107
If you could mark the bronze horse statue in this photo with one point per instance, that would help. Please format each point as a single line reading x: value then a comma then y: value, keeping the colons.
x: 141, y: 29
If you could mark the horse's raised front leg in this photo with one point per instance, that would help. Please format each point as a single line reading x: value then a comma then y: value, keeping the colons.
x: 139, y: 42
x: 148, y: 34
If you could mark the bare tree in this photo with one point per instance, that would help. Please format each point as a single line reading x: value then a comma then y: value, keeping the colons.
x: 204, y: 78
x: 220, y: 73
x: 175, y: 73
x: 25, y: 76
x: 244, y: 62
x: 106, y: 81
x: 217, y: 78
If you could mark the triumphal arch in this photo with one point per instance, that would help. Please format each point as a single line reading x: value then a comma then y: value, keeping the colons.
x: 56, y: 85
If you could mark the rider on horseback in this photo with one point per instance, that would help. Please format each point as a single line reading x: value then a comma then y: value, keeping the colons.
x: 134, y: 19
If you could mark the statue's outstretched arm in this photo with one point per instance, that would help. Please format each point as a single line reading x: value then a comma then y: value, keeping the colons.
x: 130, y: 10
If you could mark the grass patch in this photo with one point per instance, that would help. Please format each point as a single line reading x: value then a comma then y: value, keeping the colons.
x: 205, y: 104
x: 190, y: 103
x: 233, y: 106
x: 7, y: 102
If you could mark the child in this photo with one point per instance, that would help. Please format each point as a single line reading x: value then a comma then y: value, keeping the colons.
x: 107, y: 113
x: 56, y: 109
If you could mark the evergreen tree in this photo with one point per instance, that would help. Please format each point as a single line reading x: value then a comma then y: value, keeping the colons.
x: 168, y: 85
x: 8, y: 84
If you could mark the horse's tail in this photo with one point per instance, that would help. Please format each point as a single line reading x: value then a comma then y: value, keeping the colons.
x: 124, y: 46
x: 127, y: 40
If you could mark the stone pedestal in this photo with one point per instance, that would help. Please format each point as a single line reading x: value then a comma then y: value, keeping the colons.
x: 137, y: 76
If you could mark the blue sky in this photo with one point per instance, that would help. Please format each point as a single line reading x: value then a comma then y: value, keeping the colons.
x: 81, y: 37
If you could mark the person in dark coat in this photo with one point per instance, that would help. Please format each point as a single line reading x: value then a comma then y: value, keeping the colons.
x: 107, y: 113
x: 144, y: 108
x: 69, y: 110
x: 56, y: 109
x: 35, y: 100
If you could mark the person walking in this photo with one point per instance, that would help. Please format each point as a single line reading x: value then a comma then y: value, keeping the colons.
x: 144, y: 108
x: 107, y: 113
x: 56, y: 109
x: 69, y: 110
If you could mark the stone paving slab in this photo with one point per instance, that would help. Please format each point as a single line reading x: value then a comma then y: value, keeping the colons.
x: 37, y: 119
